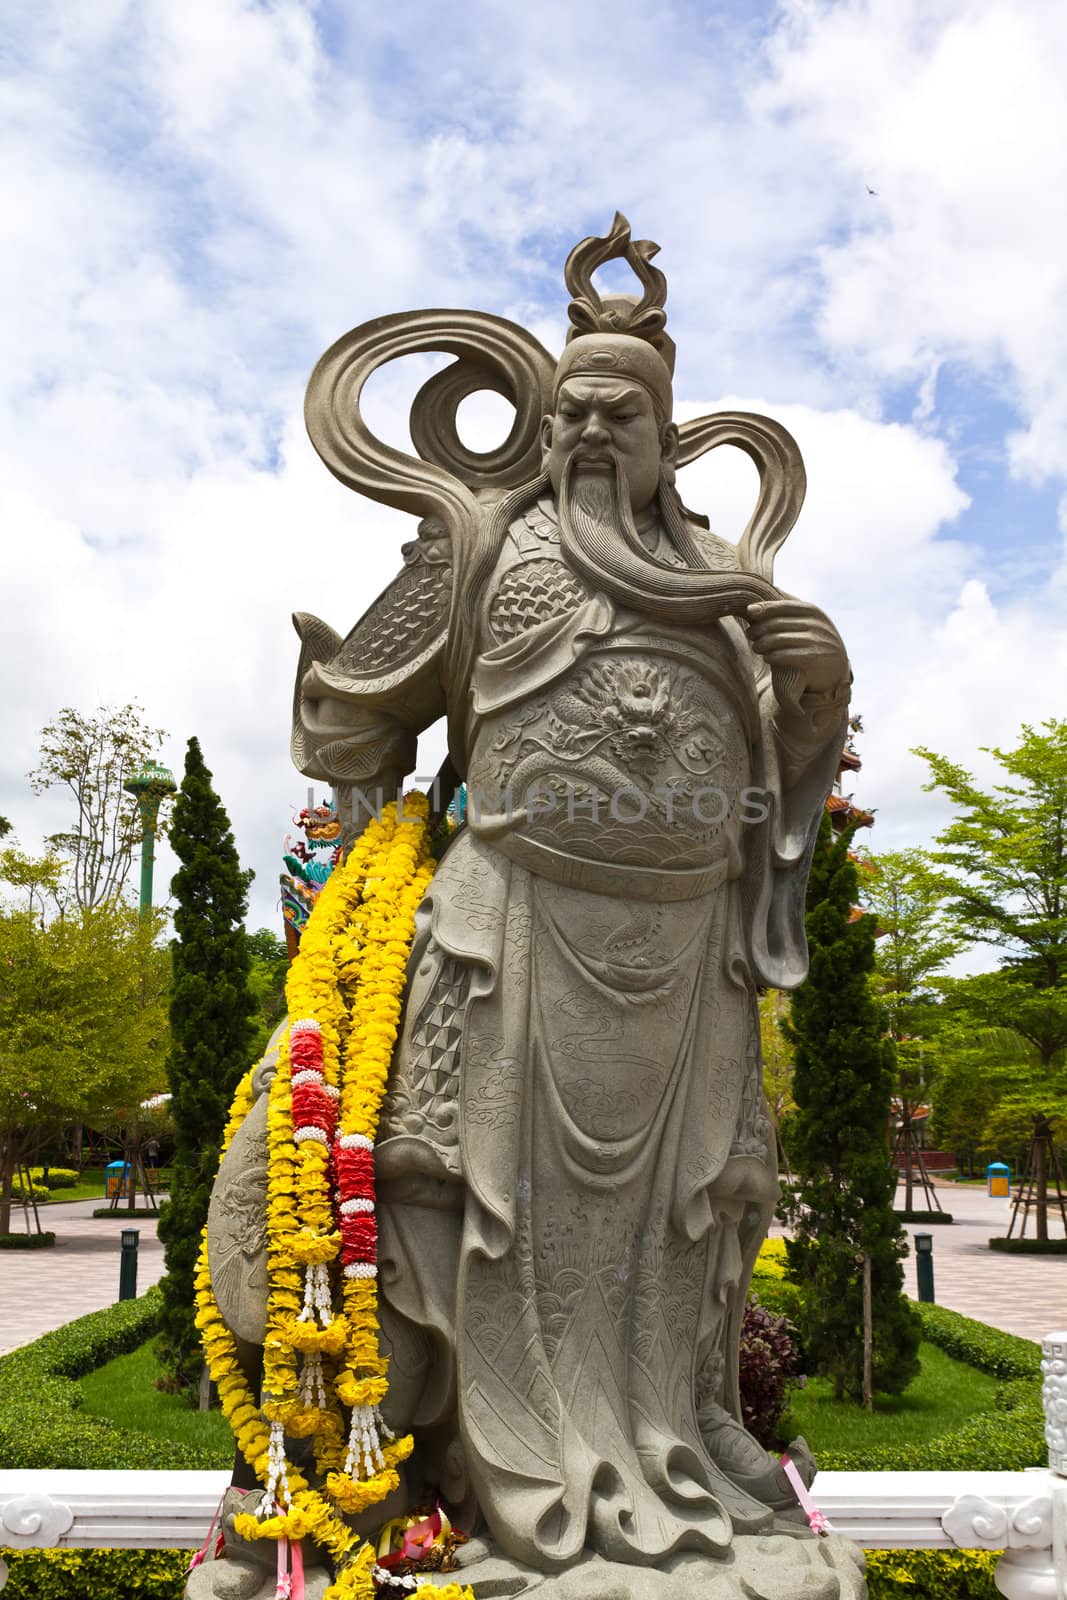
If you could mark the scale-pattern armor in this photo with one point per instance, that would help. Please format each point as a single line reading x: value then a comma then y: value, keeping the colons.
x: 403, y: 620
x: 532, y: 592
x: 423, y: 1100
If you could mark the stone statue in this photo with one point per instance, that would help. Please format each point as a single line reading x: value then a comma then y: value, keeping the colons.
x: 576, y: 1168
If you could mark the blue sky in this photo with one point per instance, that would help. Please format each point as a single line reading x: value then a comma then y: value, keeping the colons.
x: 200, y: 197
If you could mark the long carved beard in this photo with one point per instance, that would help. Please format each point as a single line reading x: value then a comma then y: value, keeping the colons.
x: 600, y: 539
x: 594, y: 507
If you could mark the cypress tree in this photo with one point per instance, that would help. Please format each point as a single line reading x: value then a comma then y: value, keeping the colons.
x: 211, y: 1037
x: 843, y: 1081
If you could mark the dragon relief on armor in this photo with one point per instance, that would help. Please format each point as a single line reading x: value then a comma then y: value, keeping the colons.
x: 623, y: 717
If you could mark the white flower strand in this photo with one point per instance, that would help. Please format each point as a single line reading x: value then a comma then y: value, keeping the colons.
x: 312, y: 1384
x: 356, y: 1141
x: 382, y: 1577
x: 308, y: 1075
x: 364, y: 1456
x: 276, y: 1495
x: 318, y: 1300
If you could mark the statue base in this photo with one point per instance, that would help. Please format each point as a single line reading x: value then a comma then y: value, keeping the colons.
x: 773, y: 1566
x: 758, y: 1567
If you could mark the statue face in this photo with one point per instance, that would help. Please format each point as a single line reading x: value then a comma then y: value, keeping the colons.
x: 601, y: 420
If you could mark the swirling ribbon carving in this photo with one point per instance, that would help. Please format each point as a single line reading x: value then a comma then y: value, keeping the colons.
x: 453, y: 483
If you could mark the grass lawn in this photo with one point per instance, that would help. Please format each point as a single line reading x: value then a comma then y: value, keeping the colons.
x: 90, y: 1186
x: 944, y: 1396
x: 125, y: 1392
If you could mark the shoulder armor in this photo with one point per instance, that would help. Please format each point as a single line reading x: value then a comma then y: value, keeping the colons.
x: 407, y: 618
x: 535, y: 528
x: 718, y: 554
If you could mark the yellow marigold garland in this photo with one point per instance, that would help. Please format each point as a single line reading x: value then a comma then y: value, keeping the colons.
x: 345, y: 995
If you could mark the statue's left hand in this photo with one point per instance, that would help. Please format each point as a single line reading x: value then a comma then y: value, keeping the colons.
x: 797, y: 638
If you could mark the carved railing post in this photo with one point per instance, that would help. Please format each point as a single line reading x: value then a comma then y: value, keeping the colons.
x: 1032, y: 1532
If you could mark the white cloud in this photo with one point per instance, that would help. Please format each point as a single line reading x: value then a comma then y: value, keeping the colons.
x: 953, y: 113
x: 199, y: 199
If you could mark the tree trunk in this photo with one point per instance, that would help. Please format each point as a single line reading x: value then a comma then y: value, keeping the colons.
x: 7, y: 1182
x: 132, y: 1158
x: 905, y: 1112
x: 868, y: 1335
x: 1041, y: 1171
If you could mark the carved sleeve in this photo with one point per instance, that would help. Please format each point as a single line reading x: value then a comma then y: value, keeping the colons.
x: 361, y: 702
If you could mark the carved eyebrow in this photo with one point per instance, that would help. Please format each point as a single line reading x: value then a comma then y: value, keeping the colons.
x: 616, y: 397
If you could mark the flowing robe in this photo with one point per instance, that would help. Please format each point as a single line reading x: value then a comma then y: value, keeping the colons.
x: 575, y: 1166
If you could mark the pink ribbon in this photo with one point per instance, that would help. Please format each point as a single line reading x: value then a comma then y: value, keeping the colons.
x: 201, y: 1554
x: 818, y: 1522
x: 290, y: 1570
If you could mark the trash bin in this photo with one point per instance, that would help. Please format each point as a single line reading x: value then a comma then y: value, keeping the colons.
x: 116, y: 1179
x: 998, y: 1180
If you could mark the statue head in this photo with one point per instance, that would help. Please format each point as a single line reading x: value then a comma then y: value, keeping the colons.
x: 611, y: 393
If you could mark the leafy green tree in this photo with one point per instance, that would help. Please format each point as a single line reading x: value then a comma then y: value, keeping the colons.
x: 92, y: 757
x: 843, y: 1079
x: 77, y: 1034
x: 976, y: 1068
x: 1005, y: 885
x: 915, y: 942
x: 777, y: 1060
x: 269, y: 966
x: 212, y: 1032
x: 40, y: 877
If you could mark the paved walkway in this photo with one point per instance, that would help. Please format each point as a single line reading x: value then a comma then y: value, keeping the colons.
x: 1020, y: 1294
x: 43, y: 1289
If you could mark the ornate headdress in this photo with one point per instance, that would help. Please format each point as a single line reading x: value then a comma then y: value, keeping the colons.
x: 618, y: 334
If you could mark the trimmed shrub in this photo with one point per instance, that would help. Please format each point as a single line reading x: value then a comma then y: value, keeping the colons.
x: 767, y: 1368
x: 122, y: 1210
x: 41, y: 1421
x: 1029, y: 1247
x: 773, y: 1289
x: 931, y: 1574
x: 37, y: 1190
x: 94, y: 1574
x: 933, y: 1218
x: 1002, y: 1355
x: 160, y: 1574
x: 26, y: 1241
x: 58, y: 1177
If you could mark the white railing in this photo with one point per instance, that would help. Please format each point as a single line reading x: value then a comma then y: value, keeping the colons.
x: 1022, y: 1513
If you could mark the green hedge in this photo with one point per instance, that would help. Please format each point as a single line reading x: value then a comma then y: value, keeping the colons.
x: 1029, y: 1247
x: 1009, y: 1438
x: 929, y: 1575
x: 931, y: 1217
x: 41, y: 1421
x: 96, y: 1574
x: 1002, y: 1355
x: 37, y: 1190
x: 26, y: 1241
x: 58, y: 1177
x: 122, y: 1210
x: 159, y: 1574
